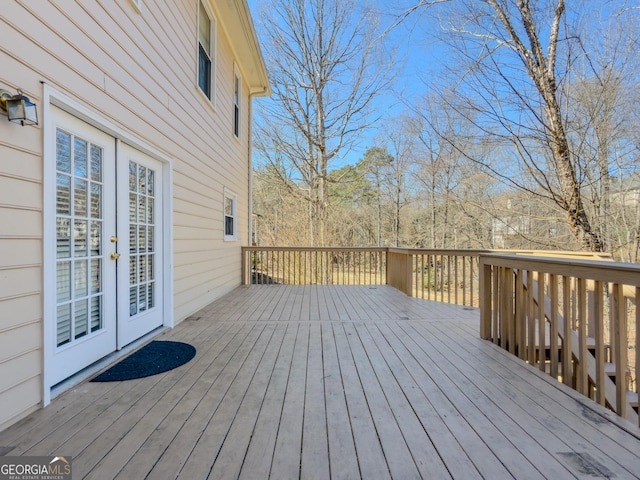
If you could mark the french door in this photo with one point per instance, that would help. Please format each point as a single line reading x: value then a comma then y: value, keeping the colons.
x: 108, y: 239
x: 140, y: 225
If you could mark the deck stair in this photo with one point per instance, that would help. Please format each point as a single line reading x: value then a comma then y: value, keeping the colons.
x: 631, y: 412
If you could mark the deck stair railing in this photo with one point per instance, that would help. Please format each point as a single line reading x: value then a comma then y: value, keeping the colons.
x: 576, y: 319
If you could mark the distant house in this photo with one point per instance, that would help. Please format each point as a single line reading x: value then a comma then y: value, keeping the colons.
x: 627, y: 192
x: 124, y: 209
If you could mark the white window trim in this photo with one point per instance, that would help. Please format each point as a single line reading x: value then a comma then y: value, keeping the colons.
x: 237, y: 78
x: 213, y: 52
x: 234, y: 197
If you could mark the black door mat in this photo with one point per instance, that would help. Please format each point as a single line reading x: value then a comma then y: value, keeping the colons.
x: 155, y: 357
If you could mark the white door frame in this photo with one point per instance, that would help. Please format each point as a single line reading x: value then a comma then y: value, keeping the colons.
x: 53, y: 96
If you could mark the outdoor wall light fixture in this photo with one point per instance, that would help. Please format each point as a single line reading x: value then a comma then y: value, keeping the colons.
x: 18, y: 108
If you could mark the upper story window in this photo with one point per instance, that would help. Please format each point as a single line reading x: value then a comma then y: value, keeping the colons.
x: 237, y: 93
x: 206, y: 51
x: 230, y: 222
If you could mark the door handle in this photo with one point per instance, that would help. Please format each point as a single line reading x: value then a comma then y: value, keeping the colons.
x: 115, y: 255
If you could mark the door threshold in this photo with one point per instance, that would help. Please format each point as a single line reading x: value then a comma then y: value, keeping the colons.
x: 95, y: 367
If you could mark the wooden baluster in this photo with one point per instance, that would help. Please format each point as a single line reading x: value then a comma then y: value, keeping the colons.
x: 531, y: 320
x: 471, y: 280
x: 521, y: 320
x: 422, y: 276
x: 542, y: 324
x: 455, y: 280
x: 442, y: 278
x: 464, y: 281
x: 485, y: 301
x: 503, y: 322
x: 620, y: 342
x: 583, y: 366
x: 448, y: 278
x: 553, y: 325
x: 428, y: 277
x: 509, y: 318
x: 567, y: 367
x: 598, y: 320
x: 496, y: 305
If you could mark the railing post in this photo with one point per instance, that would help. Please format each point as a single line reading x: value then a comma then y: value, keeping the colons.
x: 243, y: 277
x: 399, y: 269
x: 485, y: 299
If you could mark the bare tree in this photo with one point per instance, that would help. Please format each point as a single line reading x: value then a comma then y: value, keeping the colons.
x: 326, y: 68
x: 520, y: 59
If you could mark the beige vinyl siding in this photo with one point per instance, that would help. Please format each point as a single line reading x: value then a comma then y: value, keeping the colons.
x: 139, y: 71
x: 20, y: 269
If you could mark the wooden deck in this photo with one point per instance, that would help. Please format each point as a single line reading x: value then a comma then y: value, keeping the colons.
x: 332, y: 382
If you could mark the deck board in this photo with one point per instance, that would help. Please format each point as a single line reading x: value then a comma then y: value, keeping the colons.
x: 332, y: 382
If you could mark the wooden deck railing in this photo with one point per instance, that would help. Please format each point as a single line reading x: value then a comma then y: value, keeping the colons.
x: 572, y: 314
x: 314, y: 266
x: 443, y: 275
x: 575, y: 319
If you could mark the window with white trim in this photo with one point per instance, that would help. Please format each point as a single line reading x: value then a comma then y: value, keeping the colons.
x: 206, y: 51
x: 237, y: 93
x: 230, y: 216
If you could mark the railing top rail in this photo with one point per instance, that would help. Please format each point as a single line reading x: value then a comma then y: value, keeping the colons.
x: 481, y: 251
x: 314, y: 249
x: 435, y: 251
x: 604, y: 271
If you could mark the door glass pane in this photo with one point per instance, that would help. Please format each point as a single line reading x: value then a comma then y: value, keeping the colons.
x: 80, y: 238
x: 143, y: 268
x: 133, y: 304
x: 142, y: 240
x: 95, y: 278
x: 63, y: 334
x: 142, y: 231
x: 133, y: 203
x: 95, y: 238
x: 150, y: 182
x: 81, y: 318
x: 80, y: 197
x: 133, y: 270
x: 63, y: 194
x: 133, y: 175
x: 96, y: 163
x: 142, y: 179
x: 63, y: 152
x: 142, y: 208
x: 80, y: 278
x: 63, y: 237
x: 142, y: 299
x: 79, y: 209
x: 96, y: 313
x: 133, y: 238
x: 79, y: 157
x: 63, y: 281
x: 96, y: 200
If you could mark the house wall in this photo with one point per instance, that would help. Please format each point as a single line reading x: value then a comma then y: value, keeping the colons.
x: 138, y: 70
